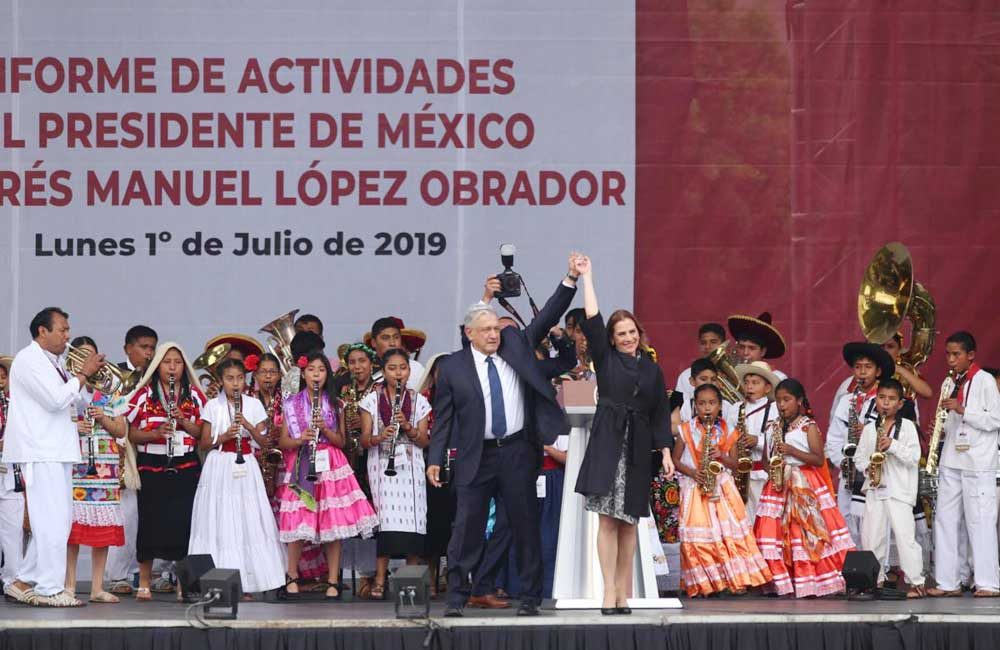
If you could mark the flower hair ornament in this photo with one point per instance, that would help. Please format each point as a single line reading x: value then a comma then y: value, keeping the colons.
x: 251, y: 362
x: 302, y: 362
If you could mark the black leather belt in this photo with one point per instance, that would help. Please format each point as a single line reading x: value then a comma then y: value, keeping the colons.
x: 503, y: 442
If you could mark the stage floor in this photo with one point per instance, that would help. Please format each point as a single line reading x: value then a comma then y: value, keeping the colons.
x: 164, y: 612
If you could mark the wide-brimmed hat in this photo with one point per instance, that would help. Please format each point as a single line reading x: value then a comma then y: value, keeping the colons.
x: 246, y: 344
x: 882, y: 359
x: 428, y: 376
x: 758, y: 329
x: 5, y: 361
x: 759, y: 368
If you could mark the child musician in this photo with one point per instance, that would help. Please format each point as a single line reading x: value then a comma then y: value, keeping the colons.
x: 332, y: 507
x: 869, y: 363
x: 702, y: 372
x: 758, y: 382
x: 394, y: 430
x: 891, y: 486
x: 967, y: 474
x: 801, y: 534
x: 232, y: 518
x: 718, y: 550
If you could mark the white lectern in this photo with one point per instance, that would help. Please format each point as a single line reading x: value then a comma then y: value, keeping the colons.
x: 578, y: 583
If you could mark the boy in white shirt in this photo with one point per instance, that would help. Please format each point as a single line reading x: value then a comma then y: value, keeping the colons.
x: 967, y: 474
x: 890, y: 497
x: 758, y: 382
x: 710, y: 337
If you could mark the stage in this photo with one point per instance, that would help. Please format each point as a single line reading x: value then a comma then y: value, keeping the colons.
x: 746, y: 623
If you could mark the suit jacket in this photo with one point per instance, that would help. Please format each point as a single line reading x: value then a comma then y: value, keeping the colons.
x: 459, y: 405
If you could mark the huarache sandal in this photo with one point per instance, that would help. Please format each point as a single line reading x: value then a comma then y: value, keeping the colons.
x: 378, y: 591
x: 916, y: 591
x: 104, y: 597
x: 143, y: 594
x: 986, y: 593
x: 934, y: 592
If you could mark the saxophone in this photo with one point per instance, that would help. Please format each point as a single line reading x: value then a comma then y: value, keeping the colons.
x: 776, y: 462
x: 271, y: 456
x: 851, y: 446
x: 928, y: 477
x: 351, y: 410
x: 744, y: 460
x: 876, y: 462
x: 708, y: 468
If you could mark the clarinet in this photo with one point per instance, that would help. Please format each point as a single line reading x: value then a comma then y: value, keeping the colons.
x: 18, y: 478
x: 397, y: 406
x: 92, y: 446
x: 171, y: 426
x: 237, y: 409
x: 317, y: 415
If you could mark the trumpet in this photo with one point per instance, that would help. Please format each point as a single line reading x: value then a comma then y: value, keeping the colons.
x: 317, y: 418
x: 109, y: 378
x: 876, y: 462
x: 708, y: 468
x: 397, y: 407
x: 237, y: 412
x: 776, y: 462
x: 171, y: 426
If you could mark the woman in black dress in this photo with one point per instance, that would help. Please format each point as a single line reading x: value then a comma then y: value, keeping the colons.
x: 633, y: 417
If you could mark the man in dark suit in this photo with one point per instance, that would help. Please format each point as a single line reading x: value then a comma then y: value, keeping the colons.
x: 495, y: 406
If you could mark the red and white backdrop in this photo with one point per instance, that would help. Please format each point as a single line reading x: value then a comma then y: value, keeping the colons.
x: 780, y: 144
x: 746, y: 155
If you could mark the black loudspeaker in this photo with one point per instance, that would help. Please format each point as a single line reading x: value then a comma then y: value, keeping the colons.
x: 409, y: 587
x: 225, y: 589
x: 190, y: 570
x: 860, y: 571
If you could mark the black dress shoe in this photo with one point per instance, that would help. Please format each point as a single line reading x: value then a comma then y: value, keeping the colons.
x: 609, y: 611
x: 623, y: 610
x: 453, y: 612
x: 527, y: 609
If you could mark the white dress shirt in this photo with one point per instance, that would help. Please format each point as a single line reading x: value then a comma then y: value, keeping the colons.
x: 756, y: 426
x: 836, y: 436
x: 513, y: 392
x: 980, y: 424
x: 899, y: 471
x: 40, y: 426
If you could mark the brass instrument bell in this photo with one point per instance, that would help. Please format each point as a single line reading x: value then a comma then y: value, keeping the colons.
x: 209, y: 361
x: 109, y: 378
x: 280, y: 333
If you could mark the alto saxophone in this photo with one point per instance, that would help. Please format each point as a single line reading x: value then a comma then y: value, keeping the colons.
x: 851, y: 446
x: 776, y: 462
x: 709, y: 469
x: 927, y: 485
x: 744, y: 459
x: 876, y: 462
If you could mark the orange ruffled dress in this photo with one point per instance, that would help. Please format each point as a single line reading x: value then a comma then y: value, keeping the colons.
x: 800, y: 531
x: 718, y: 549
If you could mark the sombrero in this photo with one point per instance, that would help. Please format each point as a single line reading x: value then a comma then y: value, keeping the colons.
x: 760, y: 330
x: 759, y: 368
x: 5, y: 361
x: 246, y: 344
x: 871, y: 351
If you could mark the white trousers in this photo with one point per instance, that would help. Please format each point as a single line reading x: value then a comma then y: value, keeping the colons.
x: 11, y: 533
x: 122, y: 562
x: 756, y: 487
x: 885, y: 518
x: 972, y: 494
x: 851, y: 512
x: 50, y: 508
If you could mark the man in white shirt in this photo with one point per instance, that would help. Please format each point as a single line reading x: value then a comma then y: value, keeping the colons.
x: 42, y: 437
x: 967, y: 474
x: 710, y: 337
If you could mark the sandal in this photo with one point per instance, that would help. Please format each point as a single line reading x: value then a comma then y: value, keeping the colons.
x: 986, y: 593
x: 121, y: 587
x: 15, y: 594
x: 62, y: 599
x: 291, y: 582
x: 934, y: 592
x: 333, y: 597
x: 916, y: 591
x: 104, y: 597
x: 377, y: 591
x: 143, y: 594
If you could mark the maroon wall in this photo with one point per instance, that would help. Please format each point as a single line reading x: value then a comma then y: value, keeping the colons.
x: 779, y: 145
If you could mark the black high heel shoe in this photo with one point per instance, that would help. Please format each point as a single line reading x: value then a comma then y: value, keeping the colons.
x: 623, y: 610
x: 609, y: 611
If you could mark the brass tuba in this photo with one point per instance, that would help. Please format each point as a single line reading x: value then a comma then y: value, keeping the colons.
x: 280, y: 333
x: 109, y: 378
x: 888, y: 295
x: 208, y: 361
x: 726, y: 378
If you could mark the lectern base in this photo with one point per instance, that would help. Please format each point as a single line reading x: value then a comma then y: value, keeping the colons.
x: 634, y: 603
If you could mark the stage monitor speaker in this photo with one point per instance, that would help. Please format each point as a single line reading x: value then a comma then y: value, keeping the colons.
x: 409, y: 587
x: 225, y: 589
x: 860, y: 571
x: 190, y: 570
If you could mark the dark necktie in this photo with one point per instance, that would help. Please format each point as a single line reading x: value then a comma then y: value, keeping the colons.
x: 496, y: 400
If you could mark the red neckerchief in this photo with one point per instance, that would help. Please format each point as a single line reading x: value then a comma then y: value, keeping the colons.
x: 864, y: 397
x: 964, y: 380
